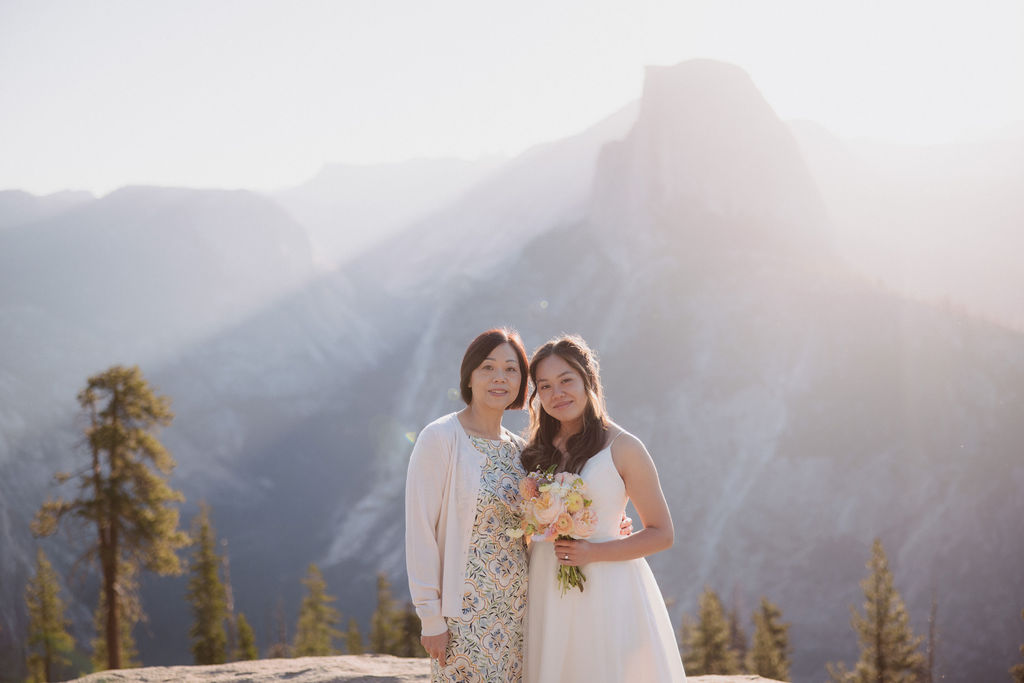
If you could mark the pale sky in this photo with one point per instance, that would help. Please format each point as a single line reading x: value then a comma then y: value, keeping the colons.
x: 96, y: 94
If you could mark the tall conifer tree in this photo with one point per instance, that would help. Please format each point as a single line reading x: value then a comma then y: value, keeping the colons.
x: 229, y: 594
x: 409, y: 641
x: 129, y: 613
x: 123, y: 493
x: 246, y: 641
x: 354, y: 639
x: 769, y: 656
x: 737, y: 636
x: 279, y: 647
x: 928, y: 675
x: 888, y: 647
x: 206, y: 595
x: 706, y: 646
x: 48, y: 639
x: 386, y: 622
x: 317, y: 618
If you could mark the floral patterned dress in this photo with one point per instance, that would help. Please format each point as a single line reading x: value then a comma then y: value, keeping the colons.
x: 486, y: 642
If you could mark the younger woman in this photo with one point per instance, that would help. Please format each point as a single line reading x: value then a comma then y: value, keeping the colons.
x: 617, y: 630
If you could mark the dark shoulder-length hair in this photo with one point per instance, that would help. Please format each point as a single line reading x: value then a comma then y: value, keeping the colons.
x: 540, y: 453
x: 480, y: 348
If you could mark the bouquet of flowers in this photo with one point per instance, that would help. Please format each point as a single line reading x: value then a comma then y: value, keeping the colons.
x: 556, y: 506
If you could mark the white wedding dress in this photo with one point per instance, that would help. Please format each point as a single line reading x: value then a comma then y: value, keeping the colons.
x: 617, y: 630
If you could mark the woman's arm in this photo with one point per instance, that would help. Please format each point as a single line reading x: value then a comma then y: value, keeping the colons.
x: 643, y: 487
x: 424, y: 492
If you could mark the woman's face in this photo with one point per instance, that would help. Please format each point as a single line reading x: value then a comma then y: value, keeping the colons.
x: 561, y: 390
x: 495, y: 382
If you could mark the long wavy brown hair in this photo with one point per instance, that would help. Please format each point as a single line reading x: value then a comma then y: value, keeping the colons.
x: 540, y: 453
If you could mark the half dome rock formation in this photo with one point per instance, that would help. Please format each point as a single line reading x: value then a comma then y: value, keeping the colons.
x: 709, y: 160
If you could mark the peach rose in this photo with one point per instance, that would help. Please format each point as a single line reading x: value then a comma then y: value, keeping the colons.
x: 528, y: 488
x: 563, y: 524
x: 547, y: 507
x: 583, y: 523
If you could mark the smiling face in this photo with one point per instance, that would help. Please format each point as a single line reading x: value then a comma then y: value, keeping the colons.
x: 495, y: 382
x: 561, y: 390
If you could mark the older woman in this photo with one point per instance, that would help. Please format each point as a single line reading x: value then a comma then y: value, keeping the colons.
x: 467, y: 577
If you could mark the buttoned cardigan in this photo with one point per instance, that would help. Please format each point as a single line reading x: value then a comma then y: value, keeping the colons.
x: 441, y: 488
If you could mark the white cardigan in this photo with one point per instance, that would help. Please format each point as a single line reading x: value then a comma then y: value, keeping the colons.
x: 441, y: 488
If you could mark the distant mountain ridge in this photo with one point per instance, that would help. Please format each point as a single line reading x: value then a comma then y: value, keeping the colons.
x: 795, y: 410
x: 347, y: 208
x: 18, y: 207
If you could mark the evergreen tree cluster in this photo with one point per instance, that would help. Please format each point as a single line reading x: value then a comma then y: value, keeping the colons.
x: 125, y: 503
x: 715, y: 643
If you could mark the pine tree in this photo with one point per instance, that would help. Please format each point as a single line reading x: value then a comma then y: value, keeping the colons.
x: 279, y: 648
x: 928, y: 675
x: 206, y: 595
x: 246, y: 641
x: 769, y: 656
x: 1017, y: 671
x: 128, y: 503
x: 706, y: 647
x: 48, y: 639
x: 317, y: 619
x: 888, y: 647
x: 409, y: 641
x: 385, y: 624
x: 232, y: 623
x: 354, y: 639
x: 129, y: 613
x: 737, y: 636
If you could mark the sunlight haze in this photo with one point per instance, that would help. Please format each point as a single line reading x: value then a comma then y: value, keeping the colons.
x: 262, y: 94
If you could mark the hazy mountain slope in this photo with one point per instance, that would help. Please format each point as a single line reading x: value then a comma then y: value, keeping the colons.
x: 941, y: 222
x: 548, y: 186
x: 347, y: 208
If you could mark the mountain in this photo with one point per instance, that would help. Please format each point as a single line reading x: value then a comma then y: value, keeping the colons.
x: 347, y: 208
x: 939, y: 223
x: 191, y: 257
x: 707, y: 145
x: 17, y: 207
x: 131, y: 277
x: 795, y: 409
x: 547, y: 187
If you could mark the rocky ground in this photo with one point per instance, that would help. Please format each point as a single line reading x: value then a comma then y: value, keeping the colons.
x: 362, y: 668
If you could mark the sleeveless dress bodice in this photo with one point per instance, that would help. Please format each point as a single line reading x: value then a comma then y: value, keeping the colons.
x: 617, y: 630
